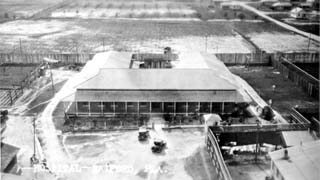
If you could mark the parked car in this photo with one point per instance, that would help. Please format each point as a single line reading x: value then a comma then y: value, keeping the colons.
x: 143, y: 134
x: 159, y: 146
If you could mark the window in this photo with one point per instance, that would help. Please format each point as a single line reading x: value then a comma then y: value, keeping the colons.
x: 228, y: 107
x: 156, y: 107
x: 144, y: 107
x: 168, y: 107
x: 204, y: 107
x: 132, y: 107
x: 120, y: 107
x: 193, y: 107
x: 95, y: 107
x: 83, y: 107
x: 108, y: 107
x: 216, y: 107
x: 181, y: 107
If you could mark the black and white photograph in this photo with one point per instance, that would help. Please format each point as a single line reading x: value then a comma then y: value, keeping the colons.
x: 159, y: 89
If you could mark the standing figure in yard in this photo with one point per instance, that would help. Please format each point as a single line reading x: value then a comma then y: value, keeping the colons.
x: 274, y: 88
x: 270, y: 102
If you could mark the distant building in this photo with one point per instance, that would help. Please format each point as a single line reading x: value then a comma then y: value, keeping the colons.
x: 301, y: 162
x: 230, y: 5
x: 298, y: 13
x: 268, y: 3
x: 281, y: 6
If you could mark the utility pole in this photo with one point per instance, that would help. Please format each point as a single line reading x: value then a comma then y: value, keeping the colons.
x: 33, y: 158
x: 206, y: 42
x: 34, y: 136
x: 53, y: 91
x: 47, y: 60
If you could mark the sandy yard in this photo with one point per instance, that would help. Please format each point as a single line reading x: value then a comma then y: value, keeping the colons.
x: 184, y: 158
x: 287, y: 94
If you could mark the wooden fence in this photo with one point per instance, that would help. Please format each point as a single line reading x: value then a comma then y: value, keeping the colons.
x: 243, y: 58
x: 13, y: 58
x: 259, y: 58
x: 301, y: 57
x: 8, y: 95
x: 307, y: 82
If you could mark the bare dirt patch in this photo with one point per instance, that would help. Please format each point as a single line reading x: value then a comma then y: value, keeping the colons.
x: 38, y: 36
x: 286, y: 95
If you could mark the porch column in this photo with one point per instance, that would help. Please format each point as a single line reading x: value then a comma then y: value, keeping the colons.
x: 77, y: 108
x: 89, y: 108
x: 187, y: 110
x: 101, y: 104
x: 174, y: 108
x: 150, y: 107
x: 222, y: 107
x: 114, y: 108
x: 162, y: 104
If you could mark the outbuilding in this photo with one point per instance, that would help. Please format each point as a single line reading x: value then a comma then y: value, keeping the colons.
x: 298, y: 13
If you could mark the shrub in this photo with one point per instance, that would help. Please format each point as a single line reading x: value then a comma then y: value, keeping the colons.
x: 241, y: 16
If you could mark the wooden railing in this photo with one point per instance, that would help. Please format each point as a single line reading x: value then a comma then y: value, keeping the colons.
x: 299, y: 117
x: 261, y: 128
x: 290, y: 71
x: 217, y: 159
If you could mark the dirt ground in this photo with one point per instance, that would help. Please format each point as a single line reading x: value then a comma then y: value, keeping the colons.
x: 286, y: 95
x: 185, y: 157
x: 244, y: 167
x: 96, y: 35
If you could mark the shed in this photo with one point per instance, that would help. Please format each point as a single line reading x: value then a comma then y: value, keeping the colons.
x: 298, y: 13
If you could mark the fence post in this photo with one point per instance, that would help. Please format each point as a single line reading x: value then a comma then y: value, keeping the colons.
x: 11, y: 101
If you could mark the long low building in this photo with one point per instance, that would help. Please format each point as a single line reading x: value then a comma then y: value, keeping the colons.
x: 191, y: 85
